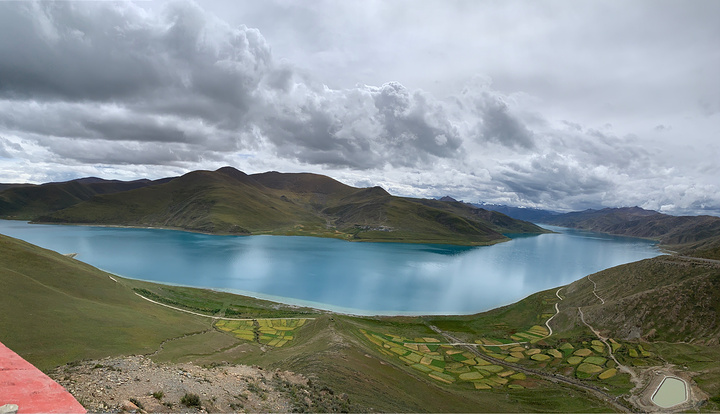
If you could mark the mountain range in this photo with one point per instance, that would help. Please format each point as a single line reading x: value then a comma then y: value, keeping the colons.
x: 228, y: 201
x: 691, y: 235
x: 534, y: 215
x: 699, y: 235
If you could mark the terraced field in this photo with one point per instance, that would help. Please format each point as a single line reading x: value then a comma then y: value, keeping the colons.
x: 271, y: 332
x: 445, y: 363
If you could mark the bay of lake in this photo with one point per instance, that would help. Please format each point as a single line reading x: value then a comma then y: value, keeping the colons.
x: 358, y: 278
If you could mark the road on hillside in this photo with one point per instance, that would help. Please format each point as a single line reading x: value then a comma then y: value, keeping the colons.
x: 701, y: 259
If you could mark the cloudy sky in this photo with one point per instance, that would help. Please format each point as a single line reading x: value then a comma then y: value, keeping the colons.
x: 554, y: 104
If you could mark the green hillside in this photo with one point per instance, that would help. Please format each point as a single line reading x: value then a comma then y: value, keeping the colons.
x: 56, y: 309
x: 227, y: 201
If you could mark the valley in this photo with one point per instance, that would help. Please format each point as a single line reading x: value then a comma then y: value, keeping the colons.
x: 505, y: 359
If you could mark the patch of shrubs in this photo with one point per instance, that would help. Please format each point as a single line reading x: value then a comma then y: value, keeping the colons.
x: 190, y: 400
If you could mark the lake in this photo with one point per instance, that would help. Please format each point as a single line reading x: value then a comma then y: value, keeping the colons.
x: 349, y: 277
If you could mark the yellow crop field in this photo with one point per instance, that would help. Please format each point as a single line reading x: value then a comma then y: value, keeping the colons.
x: 608, y: 374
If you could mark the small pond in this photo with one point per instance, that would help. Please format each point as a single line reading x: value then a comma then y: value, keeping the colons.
x: 671, y: 392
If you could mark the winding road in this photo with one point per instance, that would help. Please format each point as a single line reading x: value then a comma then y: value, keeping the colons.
x: 602, y: 301
x: 557, y: 310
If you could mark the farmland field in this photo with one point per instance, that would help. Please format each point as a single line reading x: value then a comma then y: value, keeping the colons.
x: 272, y: 332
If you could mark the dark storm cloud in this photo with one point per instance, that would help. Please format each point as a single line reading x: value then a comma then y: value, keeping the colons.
x: 85, y: 51
x: 116, y: 72
x: 124, y: 152
x: 148, y: 131
x: 550, y: 178
x: 311, y: 136
x: 501, y: 127
x: 69, y: 51
x: 362, y: 128
x: 94, y: 73
x: 412, y: 120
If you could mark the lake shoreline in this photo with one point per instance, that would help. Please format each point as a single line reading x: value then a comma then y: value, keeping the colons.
x: 506, y: 238
x: 363, y: 279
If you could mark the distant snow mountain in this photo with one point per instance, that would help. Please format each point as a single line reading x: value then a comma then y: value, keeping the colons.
x: 533, y: 215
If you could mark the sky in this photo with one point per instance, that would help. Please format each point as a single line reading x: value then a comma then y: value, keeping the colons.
x: 560, y: 105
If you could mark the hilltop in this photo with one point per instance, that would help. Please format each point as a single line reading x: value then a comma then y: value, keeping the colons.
x: 28, y: 201
x: 228, y: 201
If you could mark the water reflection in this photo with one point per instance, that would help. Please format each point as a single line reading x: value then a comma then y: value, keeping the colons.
x: 366, y: 278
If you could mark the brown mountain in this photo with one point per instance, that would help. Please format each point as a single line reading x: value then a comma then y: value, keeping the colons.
x: 232, y: 202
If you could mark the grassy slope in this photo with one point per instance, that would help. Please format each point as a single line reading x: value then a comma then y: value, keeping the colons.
x: 662, y: 303
x: 663, y: 298
x: 56, y: 309
x: 228, y: 201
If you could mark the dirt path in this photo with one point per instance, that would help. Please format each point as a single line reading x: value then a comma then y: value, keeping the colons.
x: 212, y: 317
x: 633, y: 376
x: 602, y: 301
x: 557, y: 310
x: 547, y: 324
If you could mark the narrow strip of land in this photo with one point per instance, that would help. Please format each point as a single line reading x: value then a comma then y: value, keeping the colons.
x: 210, y: 316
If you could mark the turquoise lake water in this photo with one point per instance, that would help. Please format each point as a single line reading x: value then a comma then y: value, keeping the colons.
x: 358, y: 278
